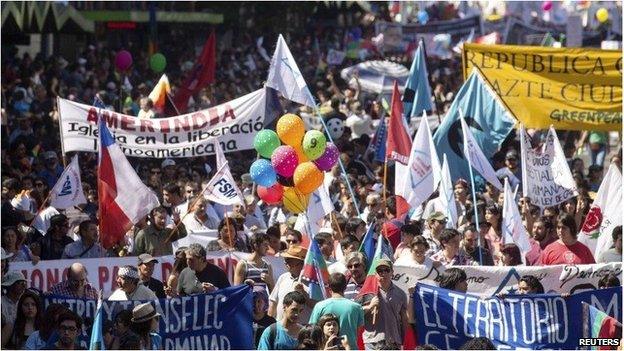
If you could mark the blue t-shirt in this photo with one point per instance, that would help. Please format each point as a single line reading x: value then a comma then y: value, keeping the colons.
x: 283, y: 341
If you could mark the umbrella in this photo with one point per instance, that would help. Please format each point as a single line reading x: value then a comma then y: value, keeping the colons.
x: 377, y: 76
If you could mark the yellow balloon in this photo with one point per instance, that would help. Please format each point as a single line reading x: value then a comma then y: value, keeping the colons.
x: 307, y: 177
x: 290, y: 129
x: 294, y: 201
x: 602, y: 15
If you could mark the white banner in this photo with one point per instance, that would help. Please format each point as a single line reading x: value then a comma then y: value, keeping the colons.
x: 546, y: 177
x: 102, y: 272
x: 489, y: 281
x: 67, y: 192
x: 233, y: 123
x: 222, y: 188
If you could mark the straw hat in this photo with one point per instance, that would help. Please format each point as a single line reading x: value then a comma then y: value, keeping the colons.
x: 144, y: 312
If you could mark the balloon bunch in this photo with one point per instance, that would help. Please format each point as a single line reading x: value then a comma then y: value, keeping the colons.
x: 292, y: 171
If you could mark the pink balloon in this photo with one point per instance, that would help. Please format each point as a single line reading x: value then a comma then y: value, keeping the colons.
x: 285, y: 160
x: 547, y: 6
x: 123, y: 60
x: 328, y: 159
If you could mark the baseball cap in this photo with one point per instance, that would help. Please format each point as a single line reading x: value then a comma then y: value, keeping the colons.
x: 438, y: 216
x: 168, y: 162
x: 12, y: 277
x: 146, y: 258
x: 386, y: 263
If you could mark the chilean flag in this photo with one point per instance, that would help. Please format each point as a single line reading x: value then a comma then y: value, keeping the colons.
x: 123, y: 198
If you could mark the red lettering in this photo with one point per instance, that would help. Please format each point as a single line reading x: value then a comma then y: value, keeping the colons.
x: 164, y: 126
x: 36, y: 280
x: 102, y: 276
x: 214, y: 116
x: 181, y: 123
x: 52, y: 276
x: 92, y: 116
x: 199, y: 121
x: 127, y: 123
x: 114, y: 280
x: 229, y: 112
x: 146, y: 124
x: 166, y: 268
x: 110, y: 118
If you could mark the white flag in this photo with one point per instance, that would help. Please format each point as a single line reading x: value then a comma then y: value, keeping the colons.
x: 423, y: 167
x: 67, y: 192
x: 604, y: 215
x: 447, y: 196
x: 319, y: 206
x: 222, y: 188
x: 285, y: 76
x: 513, y: 229
x: 476, y: 158
x: 546, y: 176
x: 220, y: 157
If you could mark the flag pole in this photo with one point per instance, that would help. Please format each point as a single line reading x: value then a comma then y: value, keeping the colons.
x: 435, y: 98
x: 342, y: 168
x: 474, y: 198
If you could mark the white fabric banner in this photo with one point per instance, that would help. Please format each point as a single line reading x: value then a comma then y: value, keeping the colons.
x: 234, y: 124
x: 474, y: 155
x: 546, y: 176
x: 489, y: 281
x: 222, y: 188
x: 513, y: 229
x: 102, y: 272
x: 447, y: 195
x: 67, y: 192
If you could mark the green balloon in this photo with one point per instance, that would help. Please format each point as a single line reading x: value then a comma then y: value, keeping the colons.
x: 158, y: 62
x: 314, y: 143
x: 265, y: 142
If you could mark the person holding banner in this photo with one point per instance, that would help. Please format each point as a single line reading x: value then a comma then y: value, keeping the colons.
x: 566, y: 250
x: 129, y: 287
x: 76, y: 285
x: 200, y: 275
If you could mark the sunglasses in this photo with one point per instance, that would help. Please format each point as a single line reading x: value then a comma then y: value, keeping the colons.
x: 383, y: 270
x: 355, y: 265
x: 292, y: 241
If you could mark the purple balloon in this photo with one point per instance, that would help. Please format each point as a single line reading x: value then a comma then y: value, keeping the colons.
x: 123, y: 60
x: 285, y: 160
x: 328, y: 159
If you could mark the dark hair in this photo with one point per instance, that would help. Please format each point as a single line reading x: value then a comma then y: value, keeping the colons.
x: 353, y: 224
x: 58, y: 220
x: 18, y: 338
x: 348, y: 240
x: 514, y: 252
x: 159, y: 209
x: 256, y: 240
x: 125, y: 316
x: 419, y: 240
x: 533, y: 283
x: 608, y: 281
x: 294, y: 296
x: 69, y: 315
x: 448, y: 235
x: 337, y: 283
x: 273, y: 231
x: 223, y: 224
x: 548, y: 224
x: 391, y: 205
x: 326, y: 318
x: 142, y: 329
x: 180, y: 262
x: 50, y: 319
x: 172, y: 188
x: 617, y: 232
x: 480, y: 343
x: 451, y: 277
x: 293, y: 232
x: 310, y: 337
x: 411, y: 228
x: 323, y: 238
x: 470, y: 228
x: 84, y: 226
x: 568, y: 221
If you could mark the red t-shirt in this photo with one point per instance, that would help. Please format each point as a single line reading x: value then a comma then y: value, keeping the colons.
x: 558, y: 253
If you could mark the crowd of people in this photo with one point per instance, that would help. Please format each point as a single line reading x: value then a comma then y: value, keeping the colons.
x: 284, y: 315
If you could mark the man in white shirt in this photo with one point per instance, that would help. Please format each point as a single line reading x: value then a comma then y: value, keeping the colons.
x: 129, y: 287
x: 198, y: 220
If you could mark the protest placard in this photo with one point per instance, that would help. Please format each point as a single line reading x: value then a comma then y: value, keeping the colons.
x: 233, y: 123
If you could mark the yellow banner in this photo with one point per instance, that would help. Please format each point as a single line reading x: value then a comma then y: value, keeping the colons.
x: 570, y: 88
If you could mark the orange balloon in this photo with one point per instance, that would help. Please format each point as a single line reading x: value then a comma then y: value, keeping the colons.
x: 294, y: 201
x: 307, y: 177
x: 290, y: 129
x: 301, y: 155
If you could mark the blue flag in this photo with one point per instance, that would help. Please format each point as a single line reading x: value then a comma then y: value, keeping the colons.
x: 378, y: 144
x: 488, y: 119
x: 97, y: 339
x: 367, y: 247
x: 97, y: 102
x: 417, y: 95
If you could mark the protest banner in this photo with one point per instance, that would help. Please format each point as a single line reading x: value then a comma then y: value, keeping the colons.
x: 487, y: 281
x: 102, y: 273
x: 546, y: 177
x: 571, y: 89
x: 221, y: 320
x: 447, y: 319
x: 233, y: 123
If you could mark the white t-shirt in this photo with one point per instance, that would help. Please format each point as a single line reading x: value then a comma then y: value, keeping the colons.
x: 141, y: 293
x: 285, y: 284
x: 42, y: 220
x: 609, y: 256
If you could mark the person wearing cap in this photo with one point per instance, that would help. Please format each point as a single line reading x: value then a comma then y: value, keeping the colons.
x: 87, y: 246
x: 288, y: 282
x: 512, y: 169
x: 146, y: 270
x: 56, y: 239
x: 253, y: 215
x: 76, y: 286
x: 15, y: 285
x: 169, y: 170
x: 436, y: 222
x: 200, y: 275
x: 145, y: 325
x: 356, y: 264
x: 390, y: 308
x: 52, y: 170
x: 129, y: 288
x: 350, y: 314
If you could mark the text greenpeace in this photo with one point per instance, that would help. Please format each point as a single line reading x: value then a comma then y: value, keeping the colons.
x: 489, y: 281
x: 447, y: 319
x: 215, y: 321
x: 570, y: 88
x: 102, y: 273
x: 233, y: 123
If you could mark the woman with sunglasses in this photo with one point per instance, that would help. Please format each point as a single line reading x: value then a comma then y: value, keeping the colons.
x: 566, y: 250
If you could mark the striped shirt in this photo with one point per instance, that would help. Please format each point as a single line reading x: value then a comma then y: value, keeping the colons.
x: 352, y: 290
